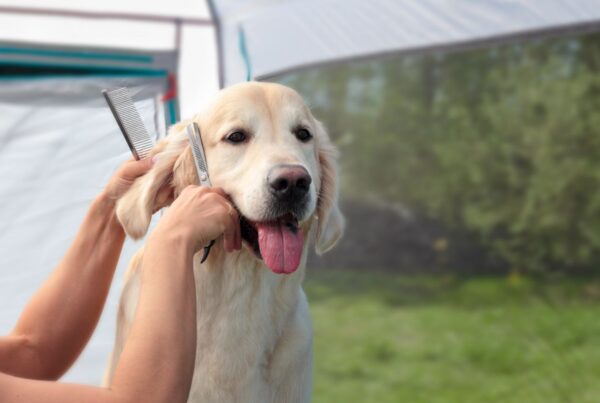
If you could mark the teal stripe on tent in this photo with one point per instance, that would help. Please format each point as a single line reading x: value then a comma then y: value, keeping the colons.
x: 172, y: 111
x: 78, y: 70
x: 10, y: 50
x: 93, y: 69
x: 244, y: 53
x: 69, y: 76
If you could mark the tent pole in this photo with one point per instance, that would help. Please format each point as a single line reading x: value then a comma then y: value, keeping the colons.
x: 176, y: 70
x: 104, y: 15
x: 219, y: 41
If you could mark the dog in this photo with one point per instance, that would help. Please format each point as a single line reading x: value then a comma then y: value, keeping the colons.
x: 278, y: 165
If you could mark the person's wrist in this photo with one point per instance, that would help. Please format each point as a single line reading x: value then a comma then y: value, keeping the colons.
x: 106, y: 207
x: 176, y: 239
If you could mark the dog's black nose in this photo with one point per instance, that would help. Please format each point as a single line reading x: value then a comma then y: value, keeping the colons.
x: 289, y: 182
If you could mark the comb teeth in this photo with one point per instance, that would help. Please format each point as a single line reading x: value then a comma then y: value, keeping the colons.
x: 197, y: 151
x: 128, y: 118
x: 193, y: 133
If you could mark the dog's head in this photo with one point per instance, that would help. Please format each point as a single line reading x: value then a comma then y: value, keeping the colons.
x: 274, y: 159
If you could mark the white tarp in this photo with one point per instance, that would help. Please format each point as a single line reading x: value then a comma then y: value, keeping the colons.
x: 284, y: 35
x: 182, y: 8
x: 123, y: 25
x: 59, y: 144
x: 264, y: 37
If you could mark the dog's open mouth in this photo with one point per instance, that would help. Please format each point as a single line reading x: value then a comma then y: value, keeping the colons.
x: 278, y: 242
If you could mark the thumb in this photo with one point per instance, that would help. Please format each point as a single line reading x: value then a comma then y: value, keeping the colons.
x: 132, y: 169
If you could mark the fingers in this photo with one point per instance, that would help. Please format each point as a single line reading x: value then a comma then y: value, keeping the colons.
x: 208, y: 213
x: 231, y: 221
x: 189, y: 190
x: 236, y: 237
x: 231, y: 235
x: 132, y: 169
x: 220, y: 192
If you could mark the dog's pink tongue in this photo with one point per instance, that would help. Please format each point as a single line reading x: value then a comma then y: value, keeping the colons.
x: 280, y: 246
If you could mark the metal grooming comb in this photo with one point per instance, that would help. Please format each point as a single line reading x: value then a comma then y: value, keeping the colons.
x: 130, y: 122
x: 193, y: 133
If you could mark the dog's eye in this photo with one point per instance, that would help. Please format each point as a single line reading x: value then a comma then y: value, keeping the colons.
x: 236, y: 137
x: 303, y: 135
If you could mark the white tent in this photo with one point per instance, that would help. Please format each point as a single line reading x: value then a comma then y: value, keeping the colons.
x: 59, y: 143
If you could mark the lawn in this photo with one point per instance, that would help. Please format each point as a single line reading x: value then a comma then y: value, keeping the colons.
x: 385, y: 338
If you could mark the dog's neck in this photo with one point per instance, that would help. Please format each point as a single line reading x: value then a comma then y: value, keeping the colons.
x: 237, y: 283
x: 238, y: 277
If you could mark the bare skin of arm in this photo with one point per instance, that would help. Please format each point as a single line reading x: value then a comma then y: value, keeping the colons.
x: 158, y: 359
x: 60, y: 318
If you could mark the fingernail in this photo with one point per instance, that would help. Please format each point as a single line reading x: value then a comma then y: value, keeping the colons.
x: 154, y: 159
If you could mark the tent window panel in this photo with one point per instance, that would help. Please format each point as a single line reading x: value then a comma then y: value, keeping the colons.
x: 59, y: 144
x: 486, y: 159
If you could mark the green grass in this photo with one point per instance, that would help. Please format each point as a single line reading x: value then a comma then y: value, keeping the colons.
x: 385, y: 338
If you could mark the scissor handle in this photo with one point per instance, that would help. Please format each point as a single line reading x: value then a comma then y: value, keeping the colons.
x: 207, y: 251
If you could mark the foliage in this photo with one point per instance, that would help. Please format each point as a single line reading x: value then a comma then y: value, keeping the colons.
x: 389, y: 338
x: 503, y: 141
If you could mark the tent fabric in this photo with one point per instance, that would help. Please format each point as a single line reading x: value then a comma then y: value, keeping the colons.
x: 42, y: 61
x: 59, y: 144
x: 281, y: 36
x: 173, y: 8
x: 115, y: 34
x: 262, y: 38
x: 132, y: 62
x: 181, y: 27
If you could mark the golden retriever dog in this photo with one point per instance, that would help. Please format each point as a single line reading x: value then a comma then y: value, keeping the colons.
x: 275, y: 160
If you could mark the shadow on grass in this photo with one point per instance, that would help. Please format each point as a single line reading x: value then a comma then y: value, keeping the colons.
x: 395, y: 290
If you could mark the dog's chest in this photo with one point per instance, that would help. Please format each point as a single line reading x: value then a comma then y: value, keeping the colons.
x: 240, y: 315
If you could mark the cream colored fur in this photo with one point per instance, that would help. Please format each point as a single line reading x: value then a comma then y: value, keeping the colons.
x: 254, y: 331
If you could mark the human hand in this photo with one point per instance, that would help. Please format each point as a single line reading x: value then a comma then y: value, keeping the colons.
x: 127, y: 173
x: 199, y: 215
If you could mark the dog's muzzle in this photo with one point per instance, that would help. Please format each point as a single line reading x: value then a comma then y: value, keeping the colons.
x: 289, y: 187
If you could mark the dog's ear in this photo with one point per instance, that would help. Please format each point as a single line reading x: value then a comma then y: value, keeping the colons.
x: 135, y: 207
x: 330, y: 221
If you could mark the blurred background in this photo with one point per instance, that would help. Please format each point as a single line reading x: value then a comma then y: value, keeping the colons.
x: 470, y: 164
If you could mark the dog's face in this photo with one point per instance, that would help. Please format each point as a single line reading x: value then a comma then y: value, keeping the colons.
x: 273, y: 158
x: 261, y: 150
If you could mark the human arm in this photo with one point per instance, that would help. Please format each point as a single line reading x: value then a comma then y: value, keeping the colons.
x: 61, y: 316
x: 158, y: 358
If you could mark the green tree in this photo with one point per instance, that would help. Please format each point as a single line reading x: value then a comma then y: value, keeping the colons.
x: 502, y: 141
